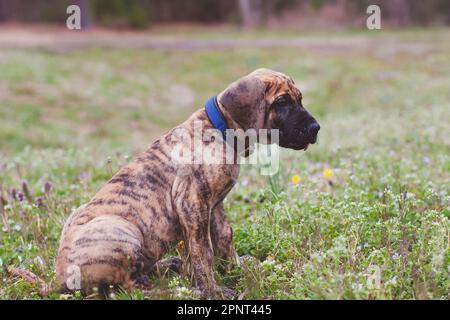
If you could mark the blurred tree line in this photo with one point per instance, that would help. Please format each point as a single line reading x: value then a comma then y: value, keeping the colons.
x: 142, y: 13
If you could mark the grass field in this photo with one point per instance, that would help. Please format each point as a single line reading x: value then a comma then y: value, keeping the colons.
x: 368, y: 218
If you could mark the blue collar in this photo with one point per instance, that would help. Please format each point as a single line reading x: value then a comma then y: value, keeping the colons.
x: 215, y: 116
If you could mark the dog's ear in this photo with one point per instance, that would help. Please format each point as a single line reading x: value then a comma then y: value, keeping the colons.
x: 244, y: 102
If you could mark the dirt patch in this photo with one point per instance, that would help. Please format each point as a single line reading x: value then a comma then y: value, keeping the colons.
x: 61, y: 39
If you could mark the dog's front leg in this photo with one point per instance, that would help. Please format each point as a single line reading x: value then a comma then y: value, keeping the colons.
x: 195, y: 223
x: 222, y: 234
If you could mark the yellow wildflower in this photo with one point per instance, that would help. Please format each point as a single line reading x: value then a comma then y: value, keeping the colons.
x: 295, y: 179
x: 327, y: 173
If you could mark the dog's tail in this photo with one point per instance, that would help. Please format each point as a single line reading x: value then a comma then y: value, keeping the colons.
x: 29, y: 277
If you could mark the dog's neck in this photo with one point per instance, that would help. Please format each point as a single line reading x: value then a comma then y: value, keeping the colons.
x: 215, y: 115
x: 231, y: 124
x: 221, y: 120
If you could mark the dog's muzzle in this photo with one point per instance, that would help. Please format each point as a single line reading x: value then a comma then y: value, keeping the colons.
x: 312, y: 131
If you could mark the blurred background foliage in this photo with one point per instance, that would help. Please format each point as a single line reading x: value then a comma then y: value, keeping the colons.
x: 251, y: 13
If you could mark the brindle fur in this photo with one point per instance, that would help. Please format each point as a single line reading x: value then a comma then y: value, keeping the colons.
x: 152, y: 203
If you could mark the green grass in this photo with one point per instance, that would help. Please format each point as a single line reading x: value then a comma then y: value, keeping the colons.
x: 378, y: 228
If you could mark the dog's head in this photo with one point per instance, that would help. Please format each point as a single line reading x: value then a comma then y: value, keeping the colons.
x: 266, y: 99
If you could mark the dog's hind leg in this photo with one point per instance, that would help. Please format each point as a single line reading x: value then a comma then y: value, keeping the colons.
x: 104, y: 252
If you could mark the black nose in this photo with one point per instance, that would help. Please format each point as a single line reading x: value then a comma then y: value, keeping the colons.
x: 313, y: 129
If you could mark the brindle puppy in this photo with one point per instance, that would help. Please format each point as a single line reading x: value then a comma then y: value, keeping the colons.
x: 154, y: 202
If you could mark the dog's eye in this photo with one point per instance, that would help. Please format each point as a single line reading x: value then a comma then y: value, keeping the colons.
x: 282, y: 100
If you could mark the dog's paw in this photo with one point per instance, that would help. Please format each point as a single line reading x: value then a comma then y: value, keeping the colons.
x: 141, y: 281
x: 173, y: 264
x: 247, y: 258
x: 228, y: 293
x: 217, y: 293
